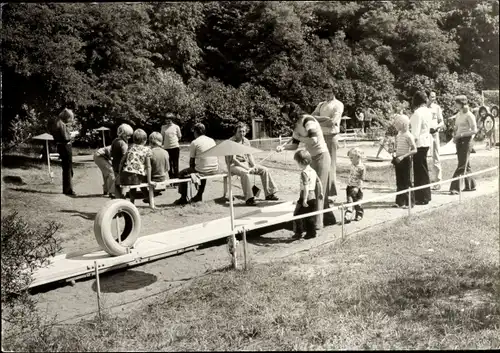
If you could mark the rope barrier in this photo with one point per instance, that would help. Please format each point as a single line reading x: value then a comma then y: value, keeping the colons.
x: 346, y: 205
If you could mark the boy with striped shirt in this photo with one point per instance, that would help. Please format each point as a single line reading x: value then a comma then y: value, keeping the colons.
x: 405, y: 148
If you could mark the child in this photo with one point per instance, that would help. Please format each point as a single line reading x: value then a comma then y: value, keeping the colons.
x: 119, y: 148
x: 311, y: 190
x: 355, y: 183
x: 388, y: 140
x: 405, y: 148
x: 102, y: 158
x: 159, y: 162
x: 135, y: 166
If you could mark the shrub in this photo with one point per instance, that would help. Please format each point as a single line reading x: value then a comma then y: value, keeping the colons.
x: 24, y: 249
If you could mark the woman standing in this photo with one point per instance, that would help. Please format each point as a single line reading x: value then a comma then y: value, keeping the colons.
x: 308, y: 131
x: 420, y: 128
x: 465, y: 129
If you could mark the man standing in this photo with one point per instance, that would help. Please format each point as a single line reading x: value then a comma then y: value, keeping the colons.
x: 361, y: 119
x: 244, y: 165
x: 436, y: 126
x: 171, y: 135
x: 203, y: 166
x: 62, y: 138
x: 328, y: 114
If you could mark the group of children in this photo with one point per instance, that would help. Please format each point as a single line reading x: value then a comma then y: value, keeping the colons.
x: 311, y: 189
x: 137, y: 164
x: 311, y: 192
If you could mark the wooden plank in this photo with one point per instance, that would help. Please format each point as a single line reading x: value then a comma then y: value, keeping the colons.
x: 157, y: 245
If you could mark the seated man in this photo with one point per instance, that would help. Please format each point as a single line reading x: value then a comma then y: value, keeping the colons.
x: 244, y: 165
x: 204, y: 166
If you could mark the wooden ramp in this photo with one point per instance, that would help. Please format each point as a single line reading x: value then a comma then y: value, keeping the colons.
x: 157, y: 246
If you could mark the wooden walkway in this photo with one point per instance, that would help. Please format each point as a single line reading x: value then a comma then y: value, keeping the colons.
x: 157, y: 246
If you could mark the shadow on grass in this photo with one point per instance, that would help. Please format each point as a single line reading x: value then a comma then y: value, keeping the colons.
x: 91, y: 196
x: 85, y: 215
x: 30, y: 162
x: 33, y: 191
x: 464, y: 295
x: 380, y: 204
x: 120, y: 282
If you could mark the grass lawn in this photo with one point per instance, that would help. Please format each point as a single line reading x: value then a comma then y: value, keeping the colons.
x: 431, y: 283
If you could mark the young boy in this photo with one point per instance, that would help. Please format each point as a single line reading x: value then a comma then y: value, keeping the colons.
x: 355, y: 183
x: 311, y: 191
x: 405, y: 148
x: 135, y: 166
x: 159, y: 162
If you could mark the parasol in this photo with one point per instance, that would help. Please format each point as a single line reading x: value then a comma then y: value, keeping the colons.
x: 46, y: 137
x: 345, y: 118
x: 103, y: 128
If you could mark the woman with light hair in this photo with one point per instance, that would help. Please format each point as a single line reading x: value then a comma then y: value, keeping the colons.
x: 119, y: 148
x: 465, y: 129
x: 62, y: 138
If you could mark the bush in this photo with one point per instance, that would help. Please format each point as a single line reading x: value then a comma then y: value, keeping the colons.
x: 24, y: 249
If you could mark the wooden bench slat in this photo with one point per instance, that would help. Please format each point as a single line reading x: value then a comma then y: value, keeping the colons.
x: 171, y: 181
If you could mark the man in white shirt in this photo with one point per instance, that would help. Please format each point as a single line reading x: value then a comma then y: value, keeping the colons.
x: 436, y: 126
x: 201, y: 165
x: 245, y: 165
x: 329, y: 114
x: 171, y: 135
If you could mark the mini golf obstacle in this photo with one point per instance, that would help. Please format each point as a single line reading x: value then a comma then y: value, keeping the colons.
x: 124, y: 248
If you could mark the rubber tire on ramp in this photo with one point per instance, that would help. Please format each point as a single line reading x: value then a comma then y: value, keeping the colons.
x: 103, y: 224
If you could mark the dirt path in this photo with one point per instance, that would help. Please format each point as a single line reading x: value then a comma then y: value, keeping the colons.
x: 122, y: 291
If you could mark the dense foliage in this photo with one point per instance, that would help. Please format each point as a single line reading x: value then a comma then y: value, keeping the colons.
x: 220, y: 62
x: 25, y: 247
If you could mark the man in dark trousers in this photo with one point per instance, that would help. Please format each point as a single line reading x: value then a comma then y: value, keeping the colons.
x: 62, y: 138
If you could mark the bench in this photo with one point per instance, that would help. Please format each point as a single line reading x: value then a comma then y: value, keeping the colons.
x: 162, y: 186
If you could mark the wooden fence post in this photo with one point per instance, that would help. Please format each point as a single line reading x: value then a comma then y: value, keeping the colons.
x: 98, y: 291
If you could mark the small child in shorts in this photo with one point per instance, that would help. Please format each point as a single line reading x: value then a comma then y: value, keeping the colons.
x: 311, y: 192
x: 354, y: 189
x: 135, y: 166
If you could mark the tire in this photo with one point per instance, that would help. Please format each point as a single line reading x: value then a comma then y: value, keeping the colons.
x: 103, y: 224
x: 98, y: 221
